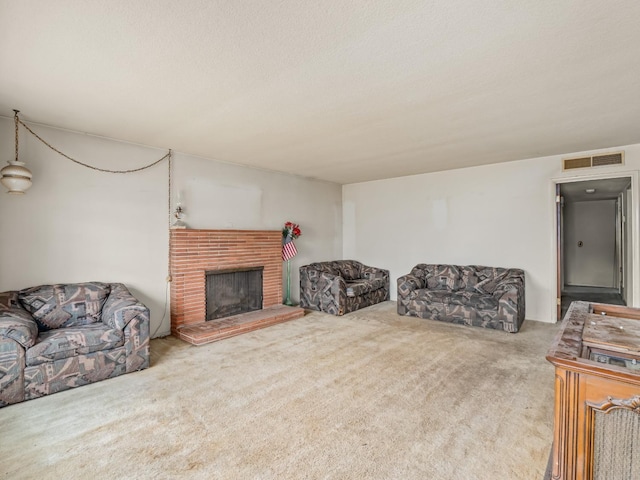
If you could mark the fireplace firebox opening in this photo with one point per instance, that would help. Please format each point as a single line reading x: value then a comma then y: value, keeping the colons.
x: 234, y: 291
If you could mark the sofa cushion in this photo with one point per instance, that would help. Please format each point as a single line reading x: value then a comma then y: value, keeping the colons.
x: 468, y: 278
x: 463, y: 297
x: 421, y: 271
x: 433, y: 296
x: 9, y: 300
x: 55, y: 306
x: 486, y: 286
x: 69, y: 342
x: 349, y: 269
x: 489, y: 279
x: 443, y: 277
x: 356, y: 288
x: 474, y: 299
x: 325, y: 267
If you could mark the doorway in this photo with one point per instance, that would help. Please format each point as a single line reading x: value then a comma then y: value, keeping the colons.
x: 594, y: 242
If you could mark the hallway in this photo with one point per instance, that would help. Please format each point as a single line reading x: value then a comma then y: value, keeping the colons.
x: 589, y: 294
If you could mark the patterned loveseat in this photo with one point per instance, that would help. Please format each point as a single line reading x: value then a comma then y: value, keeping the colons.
x: 56, y: 337
x: 472, y: 295
x: 342, y: 286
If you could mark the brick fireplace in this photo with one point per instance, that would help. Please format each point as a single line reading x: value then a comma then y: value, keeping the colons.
x: 193, y: 253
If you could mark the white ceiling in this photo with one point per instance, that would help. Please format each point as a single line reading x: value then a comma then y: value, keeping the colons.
x: 344, y: 91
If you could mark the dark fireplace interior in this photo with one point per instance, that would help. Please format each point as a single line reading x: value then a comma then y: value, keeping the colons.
x: 230, y: 292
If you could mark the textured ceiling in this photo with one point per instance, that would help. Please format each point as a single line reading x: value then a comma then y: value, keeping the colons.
x: 345, y: 91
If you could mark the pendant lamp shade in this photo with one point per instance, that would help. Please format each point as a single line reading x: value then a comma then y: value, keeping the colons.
x: 16, y: 178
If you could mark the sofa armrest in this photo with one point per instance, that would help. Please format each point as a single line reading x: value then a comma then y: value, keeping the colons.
x: 337, y: 284
x: 319, y: 279
x: 17, y: 324
x: 136, y: 342
x: 121, y: 307
x: 322, y: 291
x: 374, y: 273
x: 407, y: 284
x: 511, y: 300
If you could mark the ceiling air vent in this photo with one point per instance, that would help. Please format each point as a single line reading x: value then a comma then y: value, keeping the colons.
x: 607, y: 159
x: 570, y: 163
x: 602, y: 160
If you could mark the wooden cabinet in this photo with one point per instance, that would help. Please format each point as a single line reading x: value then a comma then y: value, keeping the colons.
x: 596, y: 355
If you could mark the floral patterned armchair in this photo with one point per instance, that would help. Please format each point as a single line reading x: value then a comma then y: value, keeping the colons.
x: 342, y: 286
x: 56, y: 337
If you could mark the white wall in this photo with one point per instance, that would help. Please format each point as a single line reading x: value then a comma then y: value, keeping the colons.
x: 226, y: 196
x: 76, y: 224
x: 498, y: 215
x: 593, y: 262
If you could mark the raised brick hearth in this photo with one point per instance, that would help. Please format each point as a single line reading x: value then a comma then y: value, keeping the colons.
x: 195, y: 252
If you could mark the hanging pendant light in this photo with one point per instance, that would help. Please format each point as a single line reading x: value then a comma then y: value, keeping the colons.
x: 15, y: 176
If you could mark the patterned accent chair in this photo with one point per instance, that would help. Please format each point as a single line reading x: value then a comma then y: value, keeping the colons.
x: 342, y: 286
x: 470, y: 295
x: 56, y: 337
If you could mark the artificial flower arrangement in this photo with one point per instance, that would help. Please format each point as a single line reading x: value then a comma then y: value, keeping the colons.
x: 291, y: 229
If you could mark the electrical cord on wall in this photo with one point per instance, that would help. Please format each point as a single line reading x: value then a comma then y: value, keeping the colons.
x: 168, y: 279
x: 164, y: 313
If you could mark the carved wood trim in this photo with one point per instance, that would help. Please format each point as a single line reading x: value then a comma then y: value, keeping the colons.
x: 632, y: 404
x: 559, y: 442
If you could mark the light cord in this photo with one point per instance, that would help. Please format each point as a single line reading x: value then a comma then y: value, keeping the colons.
x: 168, y: 156
x: 16, y: 120
x: 106, y: 170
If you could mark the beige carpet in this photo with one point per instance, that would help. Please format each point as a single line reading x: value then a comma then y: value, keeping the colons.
x: 370, y: 395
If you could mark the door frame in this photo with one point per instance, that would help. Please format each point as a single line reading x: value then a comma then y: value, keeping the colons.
x: 634, y: 248
x: 620, y: 243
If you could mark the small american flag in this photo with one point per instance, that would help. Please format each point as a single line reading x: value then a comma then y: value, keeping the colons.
x: 288, y: 249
